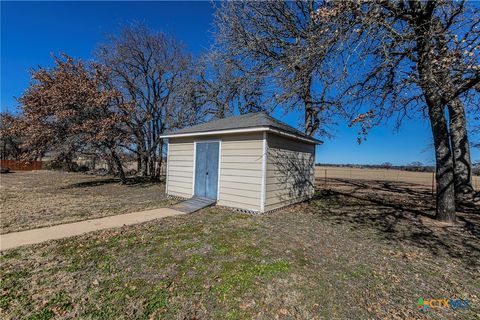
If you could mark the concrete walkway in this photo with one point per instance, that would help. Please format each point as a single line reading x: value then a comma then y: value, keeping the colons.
x: 21, y: 238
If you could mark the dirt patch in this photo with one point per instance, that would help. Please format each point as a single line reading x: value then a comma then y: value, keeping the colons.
x: 350, y: 253
x: 43, y: 198
x: 401, y: 213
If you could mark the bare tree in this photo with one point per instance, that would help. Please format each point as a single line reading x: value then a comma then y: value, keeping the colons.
x: 286, y: 47
x: 406, y: 57
x: 150, y: 69
x: 225, y: 86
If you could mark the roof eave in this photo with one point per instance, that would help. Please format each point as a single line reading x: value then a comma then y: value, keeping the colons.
x: 242, y: 130
x: 295, y: 136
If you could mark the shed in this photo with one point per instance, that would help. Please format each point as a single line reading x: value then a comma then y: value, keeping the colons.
x: 251, y: 162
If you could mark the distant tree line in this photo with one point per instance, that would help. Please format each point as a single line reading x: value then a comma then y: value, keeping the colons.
x: 415, y: 166
x: 363, y: 62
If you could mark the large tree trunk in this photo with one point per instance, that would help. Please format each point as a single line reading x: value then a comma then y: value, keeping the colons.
x: 461, y: 151
x: 149, y: 147
x: 308, y: 118
x: 462, y: 166
x: 143, y: 171
x: 151, y: 165
x: 444, y: 164
x: 311, y: 118
x: 436, y: 110
x: 142, y: 154
x: 144, y: 165
x: 119, y: 167
x: 110, y: 165
x: 139, y: 164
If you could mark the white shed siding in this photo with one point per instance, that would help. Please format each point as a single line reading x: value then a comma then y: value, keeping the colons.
x: 290, y: 171
x: 241, y: 171
x: 180, y: 167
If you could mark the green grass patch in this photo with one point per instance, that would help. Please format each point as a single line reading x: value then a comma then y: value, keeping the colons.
x: 219, y: 265
x: 237, y: 277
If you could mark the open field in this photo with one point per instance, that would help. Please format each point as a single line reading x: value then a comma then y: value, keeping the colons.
x: 358, y: 250
x: 33, y: 199
x: 422, y: 178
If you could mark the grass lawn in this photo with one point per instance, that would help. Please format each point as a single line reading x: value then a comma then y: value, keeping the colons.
x: 42, y: 198
x: 357, y: 251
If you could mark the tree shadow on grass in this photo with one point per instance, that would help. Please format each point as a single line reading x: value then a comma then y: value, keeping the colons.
x: 402, y: 214
x: 131, y: 181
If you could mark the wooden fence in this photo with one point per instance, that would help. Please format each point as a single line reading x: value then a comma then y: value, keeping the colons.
x: 15, y: 165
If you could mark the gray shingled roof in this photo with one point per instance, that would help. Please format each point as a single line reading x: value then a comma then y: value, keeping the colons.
x: 249, y: 120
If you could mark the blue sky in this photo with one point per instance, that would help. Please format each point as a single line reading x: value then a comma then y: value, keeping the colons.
x: 32, y: 31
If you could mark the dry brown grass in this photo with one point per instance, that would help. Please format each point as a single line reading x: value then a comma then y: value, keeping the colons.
x: 41, y: 198
x: 393, y: 175
x: 358, y: 250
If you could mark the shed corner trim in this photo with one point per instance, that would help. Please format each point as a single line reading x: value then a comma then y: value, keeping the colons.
x: 264, y: 173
